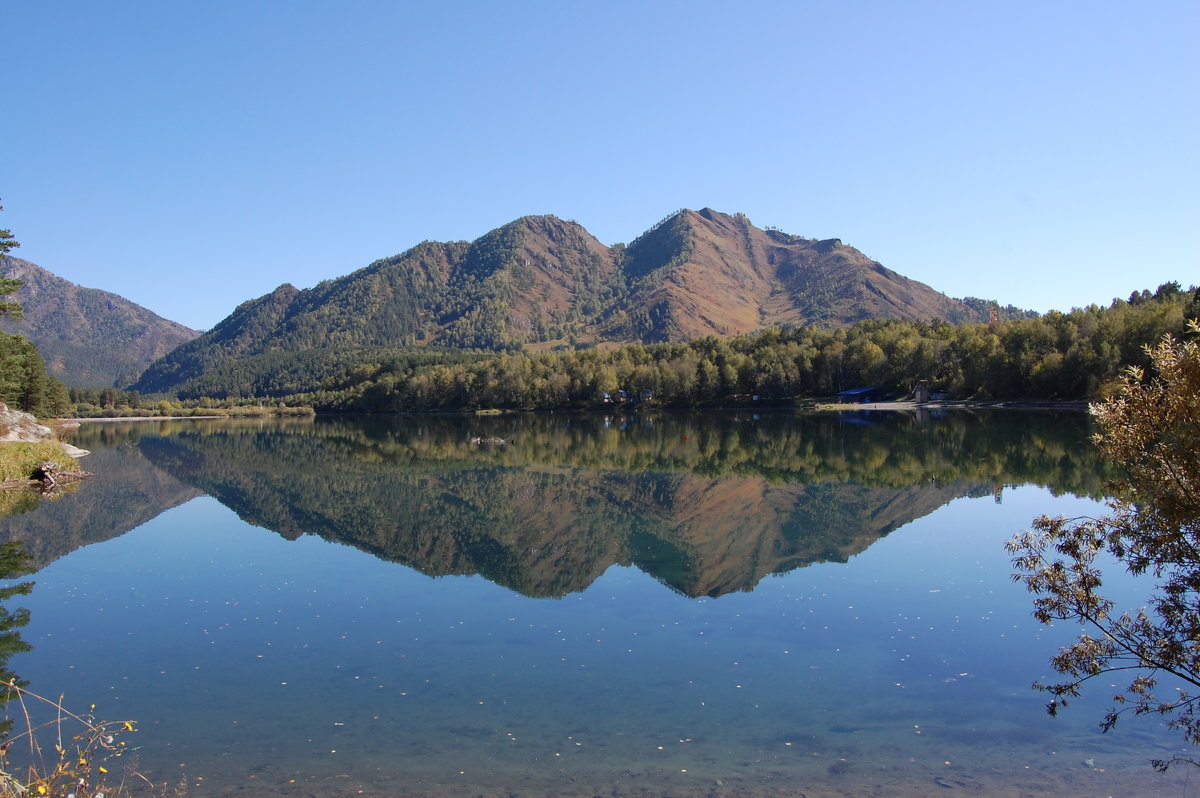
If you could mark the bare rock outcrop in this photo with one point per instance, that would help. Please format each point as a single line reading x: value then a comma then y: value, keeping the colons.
x: 16, y: 425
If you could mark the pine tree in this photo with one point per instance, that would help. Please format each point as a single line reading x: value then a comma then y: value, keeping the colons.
x: 8, y: 310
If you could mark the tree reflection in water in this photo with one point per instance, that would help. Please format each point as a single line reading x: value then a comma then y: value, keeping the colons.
x: 14, y: 563
x: 707, y: 503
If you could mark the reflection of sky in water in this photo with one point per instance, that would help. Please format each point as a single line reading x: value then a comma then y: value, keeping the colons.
x: 251, y: 660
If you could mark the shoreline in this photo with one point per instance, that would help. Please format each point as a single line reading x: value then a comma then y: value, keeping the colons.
x: 840, y: 407
x: 139, y: 418
x: 952, y: 404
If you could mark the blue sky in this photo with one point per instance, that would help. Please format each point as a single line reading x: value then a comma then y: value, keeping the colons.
x: 190, y: 156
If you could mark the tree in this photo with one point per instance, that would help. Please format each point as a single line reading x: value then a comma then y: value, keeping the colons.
x: 8, y: 310
x: 1152, y: 429
x: 7, y: 242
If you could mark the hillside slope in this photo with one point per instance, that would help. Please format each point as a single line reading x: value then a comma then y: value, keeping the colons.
x: 88, y: 337
x: 708, y: 273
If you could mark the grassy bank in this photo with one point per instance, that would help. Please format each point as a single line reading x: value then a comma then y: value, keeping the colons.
x: 18, y: 460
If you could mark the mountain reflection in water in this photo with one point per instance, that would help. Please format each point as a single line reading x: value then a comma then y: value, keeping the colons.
x: 707, y: 504
x: 278, y: 665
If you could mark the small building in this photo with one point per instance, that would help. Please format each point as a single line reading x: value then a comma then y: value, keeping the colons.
x: 921, y: 394
x: 860, y: 395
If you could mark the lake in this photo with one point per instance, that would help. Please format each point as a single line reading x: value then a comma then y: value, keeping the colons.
x: 660, y: 605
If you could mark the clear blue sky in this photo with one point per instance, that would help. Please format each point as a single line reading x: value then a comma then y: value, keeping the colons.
x: 192, y: 155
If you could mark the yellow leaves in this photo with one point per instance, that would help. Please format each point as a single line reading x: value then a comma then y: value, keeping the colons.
x: 76, y: 762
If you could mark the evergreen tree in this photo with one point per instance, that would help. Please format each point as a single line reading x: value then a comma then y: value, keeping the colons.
x: 8, y: 310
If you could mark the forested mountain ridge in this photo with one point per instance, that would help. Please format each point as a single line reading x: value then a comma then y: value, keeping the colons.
x: 543, y: 280
x: 87, y: 337
x: 1060, y: 356
x: 526, y: 281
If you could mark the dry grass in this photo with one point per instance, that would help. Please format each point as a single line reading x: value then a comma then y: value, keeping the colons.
x: 67, y: 755
x: 18, y: 460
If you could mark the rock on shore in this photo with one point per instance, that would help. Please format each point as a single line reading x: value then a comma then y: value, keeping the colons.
x: 19, y: 426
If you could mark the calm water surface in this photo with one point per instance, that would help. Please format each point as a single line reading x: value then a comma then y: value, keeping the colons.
x: 675, y: 605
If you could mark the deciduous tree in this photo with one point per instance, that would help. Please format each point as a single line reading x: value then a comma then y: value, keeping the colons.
x: 1151, y: 428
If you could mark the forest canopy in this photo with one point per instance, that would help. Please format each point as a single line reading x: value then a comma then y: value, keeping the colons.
x: 1078, y: 355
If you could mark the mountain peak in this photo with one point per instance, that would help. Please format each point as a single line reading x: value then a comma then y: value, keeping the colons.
x: 540, y: 281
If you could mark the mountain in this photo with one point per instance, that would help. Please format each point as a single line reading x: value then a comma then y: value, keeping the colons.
x: 701, y: 273
x: 88, y: 337
x: 541, y: 281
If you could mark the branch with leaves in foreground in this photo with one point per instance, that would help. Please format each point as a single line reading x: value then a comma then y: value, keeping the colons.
x: 1150, y: 428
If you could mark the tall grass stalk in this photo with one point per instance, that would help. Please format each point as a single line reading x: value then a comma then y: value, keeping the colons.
x: 78, y: 766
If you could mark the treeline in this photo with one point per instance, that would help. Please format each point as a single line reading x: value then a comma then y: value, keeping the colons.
x: 285, y: 374
x: 115, y: 403
x: 24, y: 383
x: 894, y: 450
x: 1059, y: 356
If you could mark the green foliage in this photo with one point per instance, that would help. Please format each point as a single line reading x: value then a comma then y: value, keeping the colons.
x: 8, y: 310
x: 668, y: 243
x: 249, y: 324
x: 984, y: 307
x: 7, y: 241
x: 1076, y: 355
x: 645, y: 261
x: 24, y: 383
x: 111, y: 403
x: 1151, y: 429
